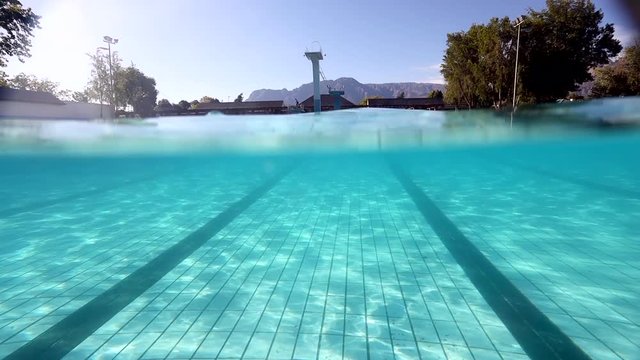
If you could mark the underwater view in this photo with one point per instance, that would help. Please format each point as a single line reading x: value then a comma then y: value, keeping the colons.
x: 356, y: 234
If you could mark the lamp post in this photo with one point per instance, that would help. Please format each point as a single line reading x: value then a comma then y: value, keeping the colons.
x: 110, y: 41
x: 518, y: 23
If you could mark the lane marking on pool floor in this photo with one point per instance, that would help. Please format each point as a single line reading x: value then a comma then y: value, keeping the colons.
x: 539, y: 337
x: 64, y: 336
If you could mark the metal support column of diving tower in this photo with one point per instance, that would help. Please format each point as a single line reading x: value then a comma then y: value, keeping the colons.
x: 315, y: 57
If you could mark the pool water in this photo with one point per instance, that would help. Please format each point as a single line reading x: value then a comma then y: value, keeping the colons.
x: 510, y: 250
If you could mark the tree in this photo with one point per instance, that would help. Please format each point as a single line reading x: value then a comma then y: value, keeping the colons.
x: 620, y: 78
x: 164, y: 102
x: 133, y: 87
x: 184, y: 105
x: 563, y: 42
x: 239, y: 98
x: 558, y: 47
x: 477, y: 63
x: 99, y: 86
x: 80, y: 96
x: 401, y: 95
x: 17, y: 24
x: 23, y: 81
x: 194, y: 104
x: 209, y: 99
x: 435, y: 94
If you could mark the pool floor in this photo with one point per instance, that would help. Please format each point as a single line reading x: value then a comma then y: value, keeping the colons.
x: 320, y: 258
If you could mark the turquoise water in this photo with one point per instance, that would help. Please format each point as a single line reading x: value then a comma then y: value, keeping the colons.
x: 358, y: 234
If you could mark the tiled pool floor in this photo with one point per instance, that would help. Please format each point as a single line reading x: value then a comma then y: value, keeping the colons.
x: 334, y: 261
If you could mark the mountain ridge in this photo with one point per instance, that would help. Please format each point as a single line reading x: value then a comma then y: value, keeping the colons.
x: 354, y: 90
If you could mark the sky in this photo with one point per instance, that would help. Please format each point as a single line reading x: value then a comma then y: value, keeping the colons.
x: 222, y: 48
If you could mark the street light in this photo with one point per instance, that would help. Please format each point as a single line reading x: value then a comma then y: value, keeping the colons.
x: 110, y: 41
x: 518, y: 23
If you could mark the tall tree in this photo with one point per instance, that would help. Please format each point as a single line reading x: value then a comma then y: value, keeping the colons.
x: 99, y: 86
x: 401, y: 95
x: 17, y: 24
x: 620, y: 78
x: 184, y: 105
x: 134, y: 88
x: 208, y: 99
x: 239, y: 99
x: 558, y: 47
x: 561, y: 44
x: 24, y: 81
x: 435, y: 94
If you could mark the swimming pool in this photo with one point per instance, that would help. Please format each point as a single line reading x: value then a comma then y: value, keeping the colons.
x: 435, y: 249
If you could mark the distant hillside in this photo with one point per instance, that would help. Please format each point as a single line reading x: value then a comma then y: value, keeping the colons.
x: 354, y: 91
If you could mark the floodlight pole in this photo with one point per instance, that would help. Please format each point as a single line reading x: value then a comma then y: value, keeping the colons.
x: 109, y: 40
x: 518, y: 23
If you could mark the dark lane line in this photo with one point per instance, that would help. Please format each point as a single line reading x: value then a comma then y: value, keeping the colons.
x: 4, y: 213
x: 576, y: 181
x: 539, y: 337
x: 64, y: 336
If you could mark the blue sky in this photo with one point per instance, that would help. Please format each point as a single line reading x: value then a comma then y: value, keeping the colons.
x: 222, y: 48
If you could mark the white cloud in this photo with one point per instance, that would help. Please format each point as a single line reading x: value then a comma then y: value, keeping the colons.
x: 429, y: 68
x: 436, y: 80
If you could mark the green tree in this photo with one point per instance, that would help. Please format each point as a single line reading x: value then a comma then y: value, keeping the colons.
x: 401, y: 95
x: 620, y: 78
x: 558, y: 47
x: 477, y: 64
x: 17, y: 24
x: 134, y: 88
x: 561, y: 44
x: 80, y: 96
x: 194, y: 104
x: 99, y: 86
x: 435, y: 94
x: 239, y: 99
x: 208, y: 99
x: 184, y: 105
x: 23, y: 81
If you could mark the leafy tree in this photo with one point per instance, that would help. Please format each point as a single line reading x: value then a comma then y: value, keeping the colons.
x: 209, y: 99
x: 184, y: 105
x: 23, y: 81
x: 239, y: 98
x: 558, y: 47
x: 134, y: 88
x: 17, y: 24
x: 562, y: 43
x: 99, y: 86
x: 435, y: 94
x: 401, y: 95
x: 164, y: 102
x: 477, y: 64
x: 620, y: 78
x: 80, y: 96
x: 194, y: 104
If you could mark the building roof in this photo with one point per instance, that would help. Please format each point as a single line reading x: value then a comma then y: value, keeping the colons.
x: 405, y: 102
x: 326, y: 100
x: 245, y: 105
x: 9, y: 94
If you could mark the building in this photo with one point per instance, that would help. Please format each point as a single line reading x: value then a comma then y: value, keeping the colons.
x: 241, y: 108
x: 327, y: 102
x: 26, y: 104
x: 407, y: 103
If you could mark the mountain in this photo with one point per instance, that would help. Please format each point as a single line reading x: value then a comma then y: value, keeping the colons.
x: 354, y: 91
